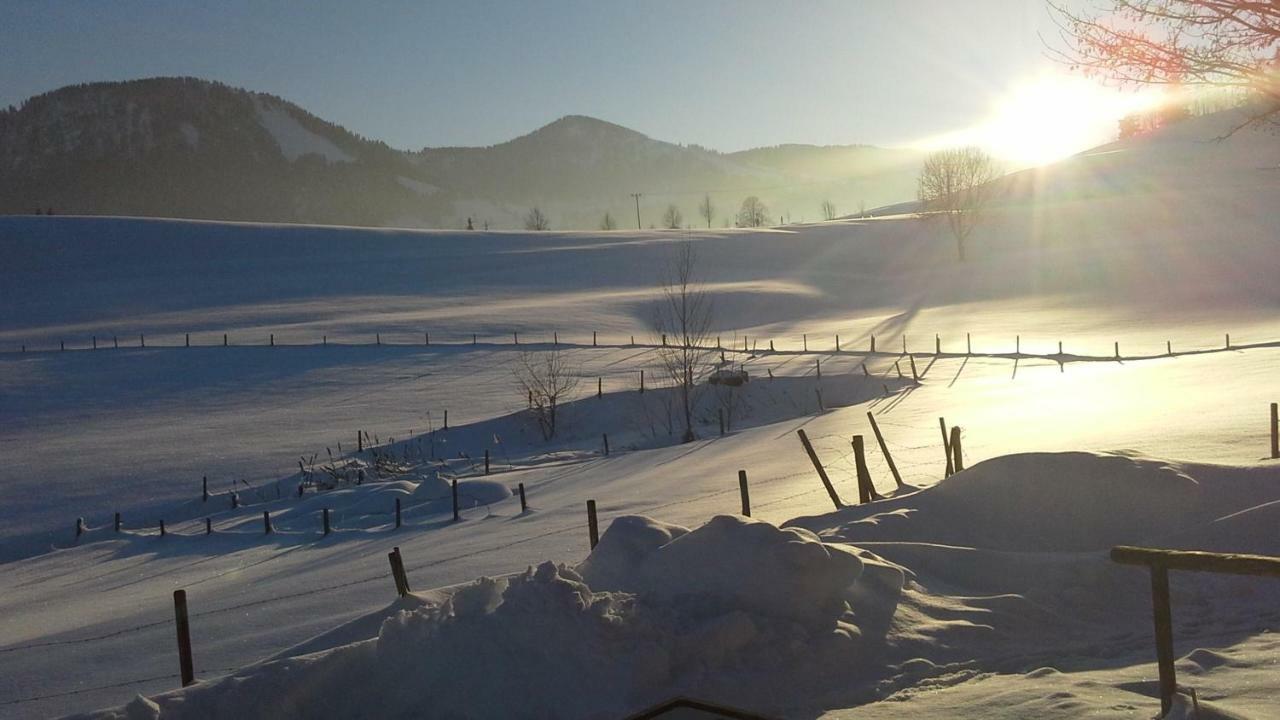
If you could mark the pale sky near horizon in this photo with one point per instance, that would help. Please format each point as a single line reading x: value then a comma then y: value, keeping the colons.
x: 721, y: 73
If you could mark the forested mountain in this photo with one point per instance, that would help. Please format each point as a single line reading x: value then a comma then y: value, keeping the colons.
x: 184, y: 147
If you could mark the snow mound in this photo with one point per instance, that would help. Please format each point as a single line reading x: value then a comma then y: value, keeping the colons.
x: 741, y: 563
x: 730, y: 611
x: 1032, y: 502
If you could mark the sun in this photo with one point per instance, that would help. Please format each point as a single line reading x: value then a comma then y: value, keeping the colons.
x: 1047, y: 118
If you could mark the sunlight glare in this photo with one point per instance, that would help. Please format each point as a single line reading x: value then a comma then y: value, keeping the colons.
x: 1048, y: 118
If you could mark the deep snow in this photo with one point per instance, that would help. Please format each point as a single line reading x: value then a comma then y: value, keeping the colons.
x: 1007, y: 607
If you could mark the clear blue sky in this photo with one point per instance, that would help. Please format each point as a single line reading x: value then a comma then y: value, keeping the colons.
x: 727, y: 74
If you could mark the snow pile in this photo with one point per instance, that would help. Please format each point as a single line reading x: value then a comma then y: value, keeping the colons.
x: 733, y: 609
x: 1046, y: 502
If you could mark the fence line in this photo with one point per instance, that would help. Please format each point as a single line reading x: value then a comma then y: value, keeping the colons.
x: 934, y: 349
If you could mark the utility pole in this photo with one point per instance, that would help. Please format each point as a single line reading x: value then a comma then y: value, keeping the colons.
x: 637, y: 197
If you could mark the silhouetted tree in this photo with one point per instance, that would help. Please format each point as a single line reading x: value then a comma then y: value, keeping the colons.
x: 707, y: 210
x: 828, y: 210
x: 608, y: 223
x: 672, y: 218
x: 753, y: 213
x: 683, y: 320
x: 545, y: 379
x: 956, y: 185
x: 535, y: 220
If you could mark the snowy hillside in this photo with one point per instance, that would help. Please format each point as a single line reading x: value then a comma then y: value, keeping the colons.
x: 987, y: 593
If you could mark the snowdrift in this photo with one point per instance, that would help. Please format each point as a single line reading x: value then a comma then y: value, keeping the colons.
x: 831, y: 611
x: 1062, y: 502
x: 732, y: 610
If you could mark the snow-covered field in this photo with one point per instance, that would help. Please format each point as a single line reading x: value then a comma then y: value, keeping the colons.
x: 987, y: 594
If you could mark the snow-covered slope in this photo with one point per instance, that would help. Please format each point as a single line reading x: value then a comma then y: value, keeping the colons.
x: 1007, y: 604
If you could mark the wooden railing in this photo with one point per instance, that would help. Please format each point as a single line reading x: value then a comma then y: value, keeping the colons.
x: 1161, y: 562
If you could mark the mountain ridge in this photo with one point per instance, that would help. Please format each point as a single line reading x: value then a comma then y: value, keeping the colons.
x: 187, y: 147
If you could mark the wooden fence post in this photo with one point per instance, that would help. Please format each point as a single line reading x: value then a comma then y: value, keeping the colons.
x: 208, y: 526
x: 515, y: 337
x: 114, y: 339
x: 1117, y: 349
x: 818, y: 391
x: 1163, y: 620
x: 915, y: 377
x: 188, y: 340
x: 866, y: 488
x: 968, y: 344
x: 142, y: 340
x: 957, y: 456
x: 897, y: 365
x: 183, y: 627
x: 204, y: 492
x: 599, y: 387
x: 605, y: 437
x: 359, y: 441
x: 593, y: 338
x: 224, y: 339
x: 937, y: 344
x: 95, y: 342
x: 266, y: 522
x: 324, y: 520
x: 377, y: 338
x: 1228, y: 341
x: 817, y: 465
x: 398, y: 512
x: 116, y: 525
x: 875, y: 428
x: 456, y: 516
x: 593, y: 529
x: 162, y: 533
x: 524, y: 504
x: 446, y: 418
x: 397, y: 572
x: 62, y: 345
x: 426, y: 338
x: 744, y: 492
x: 486, y: 461
x: 873, y: 343
x: 817, y: 363
x: 1275, y: 430
x: 555, y: 337
x: 837, y: 343
x: 273, y: 339
x: 946, y: 447
x: 79, y: 527
x: 865, y: 371
x: 805, y: 339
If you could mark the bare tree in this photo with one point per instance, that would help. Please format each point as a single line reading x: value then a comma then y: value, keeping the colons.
x: 537, y: 221
x: 753, y: 213
x: 828, y: 210
x: 706, y: 209
x: 683, y: 319
x: 546, y: 379
x: 956, y: 185
x: 608, y: 223
x: 1216, y: 43
x: 672, y: 219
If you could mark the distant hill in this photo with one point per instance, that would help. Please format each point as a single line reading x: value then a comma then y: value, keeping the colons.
x: 183, y: 147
